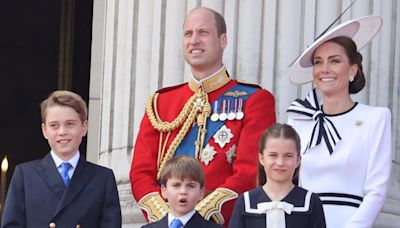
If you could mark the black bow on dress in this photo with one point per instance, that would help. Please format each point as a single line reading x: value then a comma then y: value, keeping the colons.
x: 309, y: 109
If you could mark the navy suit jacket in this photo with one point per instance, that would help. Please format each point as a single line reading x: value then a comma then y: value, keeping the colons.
x: 196, y: 221
x: 37, y: 197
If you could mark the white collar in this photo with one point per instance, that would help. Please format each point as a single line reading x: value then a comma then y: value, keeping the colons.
x: 184, y: 219
x: 73, y: 161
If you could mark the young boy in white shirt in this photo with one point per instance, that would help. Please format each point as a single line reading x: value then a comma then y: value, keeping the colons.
x: 182, y: 185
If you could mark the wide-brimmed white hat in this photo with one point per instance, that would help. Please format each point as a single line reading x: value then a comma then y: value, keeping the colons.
x: 361, y: 30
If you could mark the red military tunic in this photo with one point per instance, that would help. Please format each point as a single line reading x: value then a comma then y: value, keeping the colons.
x: 229, y: 172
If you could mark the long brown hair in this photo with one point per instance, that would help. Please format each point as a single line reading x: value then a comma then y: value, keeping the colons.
x: 278, y: 130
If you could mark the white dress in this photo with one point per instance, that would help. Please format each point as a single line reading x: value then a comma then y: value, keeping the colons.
x: 353, y: 180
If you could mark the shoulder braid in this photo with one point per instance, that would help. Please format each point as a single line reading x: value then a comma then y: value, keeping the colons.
x: 197, y: 106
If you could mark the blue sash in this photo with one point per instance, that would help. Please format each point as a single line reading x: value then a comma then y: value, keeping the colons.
x: 187, y: 146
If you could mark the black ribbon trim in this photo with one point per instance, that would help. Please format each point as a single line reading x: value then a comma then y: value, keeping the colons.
x: 341, y: 195
x: 340, y: 202
x: 323, y: 128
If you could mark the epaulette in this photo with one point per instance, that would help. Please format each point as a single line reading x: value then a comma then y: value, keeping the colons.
x: 249, y: 84
x: 166, y: 89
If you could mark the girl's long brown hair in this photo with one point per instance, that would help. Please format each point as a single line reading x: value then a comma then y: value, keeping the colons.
x: 278, y: 131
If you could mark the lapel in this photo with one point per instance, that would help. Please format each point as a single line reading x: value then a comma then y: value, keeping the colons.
x: 48, y: 171
x: 80, y: 178
x: 195, y: 221
x: 164, y: 221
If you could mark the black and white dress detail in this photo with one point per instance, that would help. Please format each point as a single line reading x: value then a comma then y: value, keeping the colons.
x: 311, y: 109
x: 300, y: 209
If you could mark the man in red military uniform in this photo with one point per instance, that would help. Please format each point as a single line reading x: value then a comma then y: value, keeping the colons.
x: 213, y: 118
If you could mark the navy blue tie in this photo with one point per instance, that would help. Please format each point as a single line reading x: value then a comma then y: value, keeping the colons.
x: 176, y: 223
x: 65, y: 166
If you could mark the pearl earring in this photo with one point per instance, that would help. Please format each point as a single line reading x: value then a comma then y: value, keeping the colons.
x: 351, y: 78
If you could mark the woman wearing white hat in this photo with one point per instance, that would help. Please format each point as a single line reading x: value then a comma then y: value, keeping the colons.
x: 346, y: 145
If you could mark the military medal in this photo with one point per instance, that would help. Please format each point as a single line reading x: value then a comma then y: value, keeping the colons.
x: 231, y: 116
x: 223, y: 136
x: 198, y: 104
x: 207, y: 154
x: 239, y: 112
x: 239, y: 115
x: 215, y: 116
x: 231, y: 113
x: 223, y: 115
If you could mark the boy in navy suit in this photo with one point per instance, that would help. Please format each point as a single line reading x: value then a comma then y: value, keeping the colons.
x: 182, y: 185
x: 62, y: 189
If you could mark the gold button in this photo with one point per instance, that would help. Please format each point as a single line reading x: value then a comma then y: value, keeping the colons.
x: 52, y: 225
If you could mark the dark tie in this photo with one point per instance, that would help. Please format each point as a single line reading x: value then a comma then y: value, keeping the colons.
x: 176, y: 223
x: 65, y: 166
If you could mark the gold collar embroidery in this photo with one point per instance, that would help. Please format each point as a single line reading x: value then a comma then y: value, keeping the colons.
x: 212, y: 83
